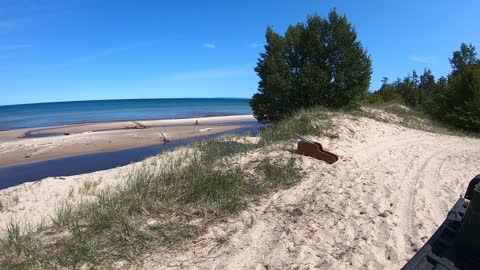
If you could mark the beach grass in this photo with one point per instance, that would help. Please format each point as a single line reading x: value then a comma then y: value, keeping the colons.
x: 159, y: 206
x: 313, y: 121
x: 413, y: 118
x: 163, y: 203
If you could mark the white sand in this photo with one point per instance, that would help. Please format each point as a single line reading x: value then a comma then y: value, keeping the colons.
x: 390, y: 190
x: 388, y: 193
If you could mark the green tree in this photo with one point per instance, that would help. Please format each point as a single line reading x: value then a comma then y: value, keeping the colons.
x: 466, y: 56
x: 276, y: 84
x: 387, y: 92
x: 459, y: 104
x: 384, y: 81
x: 320, y: 63
x: 426, y: 86
x: 441, y: 86
x: 463, y: 98
x: 407, y: 90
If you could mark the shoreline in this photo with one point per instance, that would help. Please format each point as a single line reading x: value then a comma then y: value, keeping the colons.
x: 126, y: 124
x: 50, y: 142
x: 40, y: 115
x: 11, y: 176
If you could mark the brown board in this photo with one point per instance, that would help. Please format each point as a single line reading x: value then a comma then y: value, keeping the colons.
x: 316, y: 150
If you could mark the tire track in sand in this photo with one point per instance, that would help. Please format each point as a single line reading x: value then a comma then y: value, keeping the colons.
x: 408, y: 208
x: 440, y: 210
x: 373, y: 149
x: 408, y: 205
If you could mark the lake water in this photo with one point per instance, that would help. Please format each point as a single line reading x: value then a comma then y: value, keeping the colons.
x: 77, y: 112
x: 86, y: 163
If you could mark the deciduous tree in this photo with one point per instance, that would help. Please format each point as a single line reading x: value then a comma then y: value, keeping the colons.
x: 317, y: 63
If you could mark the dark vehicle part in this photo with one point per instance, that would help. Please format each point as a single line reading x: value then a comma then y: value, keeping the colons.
x: 456, y: 243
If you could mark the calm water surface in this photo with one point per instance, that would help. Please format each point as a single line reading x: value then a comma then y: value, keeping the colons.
x: 77, y: 112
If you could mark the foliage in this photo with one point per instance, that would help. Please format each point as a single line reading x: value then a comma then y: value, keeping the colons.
x: 320, y: 63
x: 463, y: 58
x: 413, y: 90
x: 460, y: 105
x: 454, y: 100
x: 313, y: 121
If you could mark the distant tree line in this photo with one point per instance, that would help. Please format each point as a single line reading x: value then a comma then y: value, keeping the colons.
x: 454, y: 99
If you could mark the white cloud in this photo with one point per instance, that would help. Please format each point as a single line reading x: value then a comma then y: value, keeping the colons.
x: 422, y: 59
x: 255, y: 45
x: 209, y: 45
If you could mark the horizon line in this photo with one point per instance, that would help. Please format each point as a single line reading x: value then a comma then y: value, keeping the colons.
x: 88, y: 100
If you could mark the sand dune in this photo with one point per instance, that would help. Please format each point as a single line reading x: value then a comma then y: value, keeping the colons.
x: 372, y: 209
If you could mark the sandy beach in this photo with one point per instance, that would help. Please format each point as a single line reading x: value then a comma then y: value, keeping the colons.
x: 373, y: 209
x: 29, y: 145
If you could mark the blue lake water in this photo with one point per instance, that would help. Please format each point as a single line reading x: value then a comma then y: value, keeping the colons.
x: 77, y: 112
x: 86, y: 163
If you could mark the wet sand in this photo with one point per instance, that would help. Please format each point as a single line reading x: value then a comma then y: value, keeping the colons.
x: 33, y: 145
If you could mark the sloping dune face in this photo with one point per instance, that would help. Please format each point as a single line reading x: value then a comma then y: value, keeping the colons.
x: 374, y: 208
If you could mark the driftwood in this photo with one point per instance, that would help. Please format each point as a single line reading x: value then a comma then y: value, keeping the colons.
x: 139, y: 125
x: 165, y: 139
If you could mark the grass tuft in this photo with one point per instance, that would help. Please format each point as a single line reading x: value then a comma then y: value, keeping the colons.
x: 314, y: 121
x: 279, y: 175
x: 213, y: 150
x: 154, y: 208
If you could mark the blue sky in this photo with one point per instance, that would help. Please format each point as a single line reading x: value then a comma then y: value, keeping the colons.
x: 94, y: 49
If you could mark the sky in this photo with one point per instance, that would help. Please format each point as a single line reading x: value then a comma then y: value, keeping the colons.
x: 61, y: 50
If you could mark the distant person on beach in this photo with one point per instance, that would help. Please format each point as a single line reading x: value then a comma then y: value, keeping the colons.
x: 196, y: 122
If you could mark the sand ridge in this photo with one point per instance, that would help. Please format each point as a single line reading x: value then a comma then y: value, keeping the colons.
x: 376, y: 206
